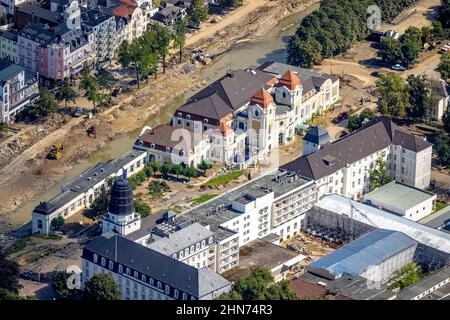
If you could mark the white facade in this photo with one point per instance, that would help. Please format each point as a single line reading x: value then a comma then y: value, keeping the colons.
x: 123, y: 225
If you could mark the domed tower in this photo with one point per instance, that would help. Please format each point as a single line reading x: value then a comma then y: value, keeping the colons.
x: 121, y: 216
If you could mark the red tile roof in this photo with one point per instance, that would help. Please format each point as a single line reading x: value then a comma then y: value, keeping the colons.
x: 262, y: 98
x: 290, y: 80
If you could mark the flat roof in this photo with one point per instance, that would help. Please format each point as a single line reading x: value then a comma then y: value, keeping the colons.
x: 399, y: 195
x: 425, y: 284
x: 382, y: 219
x: 260, y: 253
x: 438, y: 219
x: 219, y: 210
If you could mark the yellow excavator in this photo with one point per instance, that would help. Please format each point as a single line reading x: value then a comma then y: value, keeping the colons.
x: 55, y: 151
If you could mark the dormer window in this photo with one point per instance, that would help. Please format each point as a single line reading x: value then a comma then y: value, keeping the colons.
x: 152, y: 146
x: 188, y: 117
x: 167, y: 149
x: 284, y: 94
x: 179, y: 114
x: 329, y: 160
x: 205, y: 121
x: 181, y: 153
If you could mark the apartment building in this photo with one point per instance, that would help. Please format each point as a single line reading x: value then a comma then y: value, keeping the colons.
x: 131, y: 19
x: 103, y: 28
x: 18, y: 88
x: 142, y: 273
x: 343, y: 166
x: 55, y: 53
x: 248, y: 113
x: 8, y: 45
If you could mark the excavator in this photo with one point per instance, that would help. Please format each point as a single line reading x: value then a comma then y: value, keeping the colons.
x: 55, y: 151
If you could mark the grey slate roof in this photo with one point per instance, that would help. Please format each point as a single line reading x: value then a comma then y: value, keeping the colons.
x: 94, y: 17
x: 438, y: 219
x: 181, y: 239
x: 227, y: 94
x: 9, y: 70
x: 374, y: 136
x: 369, y: 250
x: 197, y: 282
x: 317, y: 135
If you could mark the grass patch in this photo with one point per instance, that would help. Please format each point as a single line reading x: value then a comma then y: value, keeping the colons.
x: 173, y: 209
x: 204, y: 198
x: 48, y: 236
x: 41, y: 253
x: 18, y: 246
x: 224, y: 179
x: 439, y: 206
x: 406, y: 276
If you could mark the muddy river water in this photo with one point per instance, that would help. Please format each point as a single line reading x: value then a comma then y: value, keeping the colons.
x: 270, y: 47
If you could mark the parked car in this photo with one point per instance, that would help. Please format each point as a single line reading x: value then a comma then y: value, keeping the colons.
x: 340, y: 117
x: 398, y: 67
x: 376, y: 74
x: 133, y: 82
x: 78, y: 112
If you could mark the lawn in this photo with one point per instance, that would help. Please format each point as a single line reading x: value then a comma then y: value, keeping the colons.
x: 48, y: 236
x: 439, y: 206
x: 224, y: 179
x: 204, y: 198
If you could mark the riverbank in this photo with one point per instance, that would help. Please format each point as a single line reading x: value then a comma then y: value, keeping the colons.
x: 30, y: 177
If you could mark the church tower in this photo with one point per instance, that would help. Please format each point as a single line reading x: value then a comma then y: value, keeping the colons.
x: 121, y: 217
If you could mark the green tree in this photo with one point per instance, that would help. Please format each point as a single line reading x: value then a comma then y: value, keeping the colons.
x: 142, y: 208
x: 419, y: 89
x: 157, y: 189
x: 90, y: 86
x: 163, y: 37
x: 394, y: 97
x: 391, y: 51
x: 427, y: 36
x: 280, y: 291
x: 254, y: 286
x: 156, y: 166
x: 410, y: 52
x: 437, y: 31
x: 132, y: 55
x: 166, y: 169
x: 105, y: 80
x: 9, y: 271
x: 57, y: 222
x: 179, y: 36
x: 148, y: 170
x: 304, y: 53
x: 100, y: 204
x: 190, y: 172
x: 379, y: 175
x: 197, y: 12
x: 3, y: 128
x: 101, y: 287
x: 446, y: 120
x: 59, y: 285
x: 204, y: 166
x: 66, y: 93
x: 177, y: 169
x: 444, y: 65
x: 46, y: 105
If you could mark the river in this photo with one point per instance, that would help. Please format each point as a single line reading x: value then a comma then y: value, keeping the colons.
x: 270, y: 47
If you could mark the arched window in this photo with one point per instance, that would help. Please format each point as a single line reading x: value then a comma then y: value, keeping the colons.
x: 167, y: 149
x: 205, y: 120
x: 284, y: 94
x: 188, y: 116
x: 152, y: 146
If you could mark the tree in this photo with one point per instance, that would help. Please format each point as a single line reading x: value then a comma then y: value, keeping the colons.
x: 91, y: 87
x: 179, y: 36
x: 3, y: 128
x: 232, y: 295
x: 163, y: 38
x: 9, y: 271
x: 204, y: 166
x: 418, y: 89
x: 441, y: 148
x: 100, y: 204
x: 427, y: 36
x: 57, y: 222
x: 132, y: 55
x: 166, y: 169
x: 157, y: 189
x: 379, y: 175
x: 156, y: 166
x: 446, y: 120
x: 391, y: 51
x: 46, y: 105
x: 353, y: 123
x: 59, y: 284
x: 142, y: 208
x: 66, y: 93
x: 105, y: 79
x: 280, y: 291
x: 101, y: 287
x: 356, y: 121
x: 410, y: 53
x: 148, y: 170
x: 190, y: 172
x: 394, y: 97
x: 437, y: 31
x: 444, y: 65
x: 177, y: 169
x: 304, y: 53
x: 197, y: 12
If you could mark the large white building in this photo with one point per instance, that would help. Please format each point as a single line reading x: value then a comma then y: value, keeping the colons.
x: 343, y: 166
x: 245, y: 114
x: 80, y: 192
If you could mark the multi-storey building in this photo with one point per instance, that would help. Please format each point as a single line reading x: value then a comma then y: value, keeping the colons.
x: 55, y: 53
x: 103, y: 28
x: 8, y: 46
x: 18, y: 88
x: 131, y: 20
x: 343, y: 166
x: 248, y: 113
x: 142, y: 273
